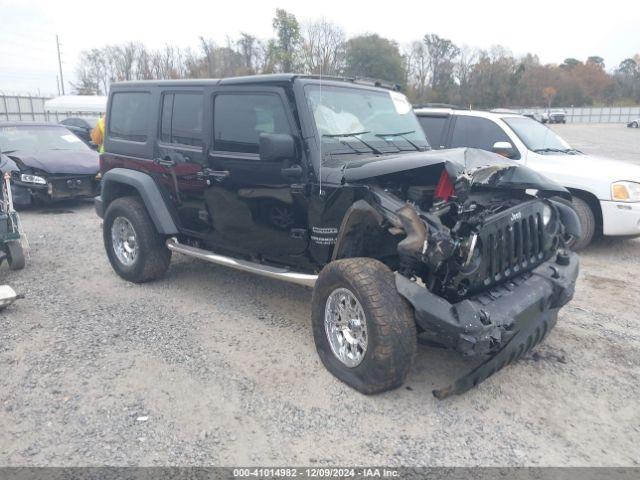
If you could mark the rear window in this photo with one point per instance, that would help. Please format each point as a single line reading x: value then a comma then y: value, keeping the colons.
x: 129, y: 116
x: 434, y: 130
x: 182, y: 119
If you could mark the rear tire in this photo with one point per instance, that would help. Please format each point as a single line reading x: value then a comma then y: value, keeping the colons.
x: 15, y: 255
x: 390, y: 330
x: 141, y: 256
x: 587, y: 224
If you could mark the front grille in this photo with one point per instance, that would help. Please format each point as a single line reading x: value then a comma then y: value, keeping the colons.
x: 512, y: 242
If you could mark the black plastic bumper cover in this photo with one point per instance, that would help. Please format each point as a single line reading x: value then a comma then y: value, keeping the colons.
x: 505, y: 322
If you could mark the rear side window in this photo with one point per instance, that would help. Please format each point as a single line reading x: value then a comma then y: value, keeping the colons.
x: 434, y: 130
x: 129, y: 116
x: 182, y: 119
x: 476, y: 132
x: 239, y: 119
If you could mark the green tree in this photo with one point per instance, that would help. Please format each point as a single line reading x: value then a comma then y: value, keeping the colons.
x: 376, y: 57
x: 597, y: 61
x: 287, y: 39
x: 570, y: 63
x: 442, y: 53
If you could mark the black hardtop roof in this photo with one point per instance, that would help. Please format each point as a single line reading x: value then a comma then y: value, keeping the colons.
x: 264, y: 79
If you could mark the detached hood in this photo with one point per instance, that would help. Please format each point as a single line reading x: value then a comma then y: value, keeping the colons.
x: 59, y: 161
x: 482, y: 168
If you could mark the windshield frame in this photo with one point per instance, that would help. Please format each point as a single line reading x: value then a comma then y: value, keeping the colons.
x: 350, y: 145
x: 77, y: 144
x: 532, y: 148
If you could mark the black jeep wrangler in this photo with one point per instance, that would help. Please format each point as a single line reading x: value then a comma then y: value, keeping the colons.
x: 332, y: 184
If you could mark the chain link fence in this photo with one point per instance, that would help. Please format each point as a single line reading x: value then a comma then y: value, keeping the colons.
x: 593, y: 114
x: 15, y: 108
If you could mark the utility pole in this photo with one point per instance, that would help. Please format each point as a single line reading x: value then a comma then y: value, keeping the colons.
x: 60, y: 65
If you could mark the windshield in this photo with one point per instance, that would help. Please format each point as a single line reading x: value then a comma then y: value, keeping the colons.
x: 363, y: 121
x: 536, y: 136
x: 38, y: 138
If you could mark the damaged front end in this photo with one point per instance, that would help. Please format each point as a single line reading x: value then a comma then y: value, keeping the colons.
x: 481, y: 258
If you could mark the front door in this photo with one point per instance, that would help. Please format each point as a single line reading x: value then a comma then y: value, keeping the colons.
x: 255, y: 209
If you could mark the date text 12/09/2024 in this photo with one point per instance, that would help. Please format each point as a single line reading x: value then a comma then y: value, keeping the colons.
x: 316, y: 472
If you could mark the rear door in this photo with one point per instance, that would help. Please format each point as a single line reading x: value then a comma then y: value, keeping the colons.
x: 435, y: 128
x: 180, y: 148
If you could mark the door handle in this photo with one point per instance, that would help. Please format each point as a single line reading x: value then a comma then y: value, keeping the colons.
x: 217, y: 175
x: 164, y: 162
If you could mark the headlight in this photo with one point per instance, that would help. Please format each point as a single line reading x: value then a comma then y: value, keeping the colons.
x: 625, y: 191
x: 546, y: 214
x: 29, y: 178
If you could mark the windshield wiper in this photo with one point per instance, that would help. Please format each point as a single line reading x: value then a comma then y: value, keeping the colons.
x: 349, y: 134
x: 7, y: 152
x: 545, y: 150
x: 354, y: 135
x: 572, y: 151
x: 403, y: 135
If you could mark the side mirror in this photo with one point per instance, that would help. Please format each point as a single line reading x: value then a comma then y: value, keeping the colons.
x: 276, y: 147
x: 504, y: 148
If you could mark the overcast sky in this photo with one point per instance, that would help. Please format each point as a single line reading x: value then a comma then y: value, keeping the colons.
x: 554, y: 29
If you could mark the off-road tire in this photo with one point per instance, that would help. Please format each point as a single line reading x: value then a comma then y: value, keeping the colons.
x: 391, y: 331
x: 153, y: 256
x: 587, y: 224
x: 15, y: 255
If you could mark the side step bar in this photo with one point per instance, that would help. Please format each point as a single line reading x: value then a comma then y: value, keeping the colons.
x: 244, y: 265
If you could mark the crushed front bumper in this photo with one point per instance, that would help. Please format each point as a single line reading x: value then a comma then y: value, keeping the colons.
x: 504, y: 322
x: 56, y: 188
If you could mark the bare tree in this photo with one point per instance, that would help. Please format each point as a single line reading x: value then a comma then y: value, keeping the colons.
x: 323, y: 47
x: 419, y: 68
x: 442, y: 53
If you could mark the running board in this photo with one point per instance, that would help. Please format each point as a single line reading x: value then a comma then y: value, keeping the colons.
x: 244, y: 265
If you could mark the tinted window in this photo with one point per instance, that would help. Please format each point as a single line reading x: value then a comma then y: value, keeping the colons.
x: 182, y: 119
x: 238, y: 120
x: 434, y: 129
x: 476, y: 132
x: 129, y: 116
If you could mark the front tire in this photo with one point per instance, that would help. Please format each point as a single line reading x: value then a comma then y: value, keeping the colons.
x: 363, y: 329
x: 136, y: 251
x: 634, y: 125
x: 587, y: 224
x: 15, y: 255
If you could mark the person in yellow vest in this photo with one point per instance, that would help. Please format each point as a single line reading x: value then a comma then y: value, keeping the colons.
x: 97, y: 134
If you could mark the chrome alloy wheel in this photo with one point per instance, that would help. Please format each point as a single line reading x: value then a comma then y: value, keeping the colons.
x: 125, y: 243
x: 346, y: 327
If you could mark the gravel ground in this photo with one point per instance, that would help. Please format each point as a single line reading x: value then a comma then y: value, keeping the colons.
x: 213, y: 366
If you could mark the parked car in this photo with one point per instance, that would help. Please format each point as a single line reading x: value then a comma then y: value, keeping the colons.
x: 330, y: 184
x: 534, y: 116
x: 554, y: 116
x: 634, y: 123
x: 82, y: 127
x: 606, y: 193
x: 51, y: 163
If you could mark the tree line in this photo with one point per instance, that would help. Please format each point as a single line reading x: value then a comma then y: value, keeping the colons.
x: 432, y: 69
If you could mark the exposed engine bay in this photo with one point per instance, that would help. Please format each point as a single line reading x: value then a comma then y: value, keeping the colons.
x: 460, y: 240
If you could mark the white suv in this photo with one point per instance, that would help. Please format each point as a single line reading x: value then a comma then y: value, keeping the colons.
x: 606, y: 193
